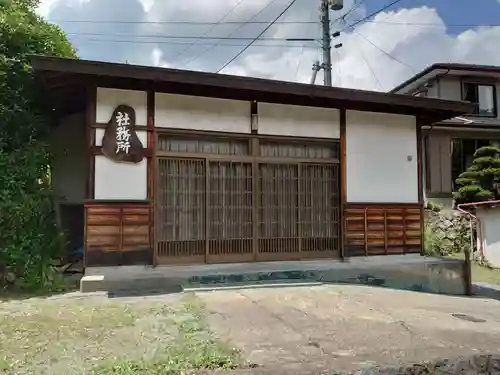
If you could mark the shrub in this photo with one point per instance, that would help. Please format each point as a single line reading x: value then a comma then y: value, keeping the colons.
x: 29, y: 237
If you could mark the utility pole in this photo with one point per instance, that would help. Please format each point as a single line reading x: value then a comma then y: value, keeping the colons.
x: 326, y: 42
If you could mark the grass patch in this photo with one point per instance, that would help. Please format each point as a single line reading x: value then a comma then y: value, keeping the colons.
x: 193, y: 349
x: 480, y: 273
x: 98, y: 336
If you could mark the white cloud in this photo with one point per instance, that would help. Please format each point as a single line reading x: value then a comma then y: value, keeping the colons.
x: 157, y: 57
x: 46, y: 6
x: 362, y: 62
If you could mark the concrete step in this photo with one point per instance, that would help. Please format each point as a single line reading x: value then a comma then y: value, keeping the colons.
x: 408, y: 272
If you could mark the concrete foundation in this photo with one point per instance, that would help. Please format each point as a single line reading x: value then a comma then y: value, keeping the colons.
x: 408, y: 272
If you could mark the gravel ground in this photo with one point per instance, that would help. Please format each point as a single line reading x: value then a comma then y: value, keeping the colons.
x: 341, y: 328
x: 99, y: 335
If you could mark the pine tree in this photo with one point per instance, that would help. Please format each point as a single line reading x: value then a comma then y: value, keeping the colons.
x: 479, y: 181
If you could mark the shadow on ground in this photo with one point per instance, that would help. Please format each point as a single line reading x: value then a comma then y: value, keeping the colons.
x: 486, y: 291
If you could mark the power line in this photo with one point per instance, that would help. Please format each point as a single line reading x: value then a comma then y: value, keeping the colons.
x: 233, y: 9
x: 339, y: 71
x: 200, y: 44
x: 384, y: 52
x: 191, y: 23
x: 302, y: 51
x: 257, y: 37
x: 373, y: 14
x: 230, y: 34
x: 371, y: 69
x: 353, y: 8
x: 369, y: 65
x: 180, y: 37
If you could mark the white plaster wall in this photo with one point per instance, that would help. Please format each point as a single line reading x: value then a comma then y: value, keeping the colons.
x: 120, y: 181
x: 69, y: 168
x: 298, y: 121
x: 201, y: 113
x: 378, y: 146
x: 490, y: 223
x: 142, y: 135
x: 109, y: 99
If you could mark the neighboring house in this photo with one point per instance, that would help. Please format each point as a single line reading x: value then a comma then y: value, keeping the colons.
x: 449, y: 145
x: 177, y: 167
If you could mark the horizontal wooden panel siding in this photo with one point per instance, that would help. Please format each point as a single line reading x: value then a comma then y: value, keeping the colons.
x: 117, y: 233
x: 382, y: 229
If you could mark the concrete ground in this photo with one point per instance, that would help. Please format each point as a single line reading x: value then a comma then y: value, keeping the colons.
x: 323, y: 329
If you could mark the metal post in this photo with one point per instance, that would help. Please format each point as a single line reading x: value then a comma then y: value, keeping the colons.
x: 327, y: 49
x: 316, y: 68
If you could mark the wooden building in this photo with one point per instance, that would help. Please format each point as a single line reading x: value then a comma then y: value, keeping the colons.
x: 183, y: 167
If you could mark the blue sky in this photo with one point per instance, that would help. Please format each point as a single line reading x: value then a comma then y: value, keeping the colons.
x: 378, y: 55
x: 471, y: 12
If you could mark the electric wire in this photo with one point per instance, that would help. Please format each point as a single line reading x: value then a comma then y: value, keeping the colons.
x: 384, y: 52
x: 193, y: 23
x: 379, y: 84
x: 302, y: 51
x: 200, y: 23
x: 257, y: 37
x: 353, y: 8
x: 179, y: 37
x: 339, y: 71
x: 196, y: 23
x: 199, y: 44
x: 227, y: 14
x: 230, y: 34
x: 372, y: 14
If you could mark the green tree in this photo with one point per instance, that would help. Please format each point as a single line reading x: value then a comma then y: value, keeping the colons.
x: 29, y: 237
x: 478, y: 182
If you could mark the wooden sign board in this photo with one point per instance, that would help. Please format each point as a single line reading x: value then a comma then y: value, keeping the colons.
x: 120, y: 142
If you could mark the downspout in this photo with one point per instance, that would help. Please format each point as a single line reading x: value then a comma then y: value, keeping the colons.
x: 424, y: 168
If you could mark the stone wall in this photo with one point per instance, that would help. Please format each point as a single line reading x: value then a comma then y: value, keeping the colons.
x: 448, y: 233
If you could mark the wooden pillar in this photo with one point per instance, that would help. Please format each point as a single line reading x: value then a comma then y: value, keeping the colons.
x: 421, y: 187
x: 151, y: 174
x: 343, y: 181
x: 90, y: 120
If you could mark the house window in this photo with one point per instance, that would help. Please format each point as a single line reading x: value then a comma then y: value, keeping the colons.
x: 462, y: 155
x: 484, y: 96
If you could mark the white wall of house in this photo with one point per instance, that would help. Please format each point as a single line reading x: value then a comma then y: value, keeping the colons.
x: 381, y: 158
x: 201, y: 113
x: 298, y: 121
x: 113, y: 180
x: 120, y: 181
x: 69, y: 167
x: 109, y: 99
x: 381, y: 148
x: 490, y: 222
